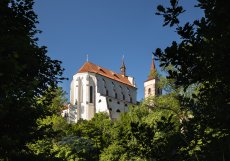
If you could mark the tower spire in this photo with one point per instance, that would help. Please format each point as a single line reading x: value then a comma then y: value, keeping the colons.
x: 153, y: 71
x: 150, y: 85
x: 153, y: 64
x: 123, y: 68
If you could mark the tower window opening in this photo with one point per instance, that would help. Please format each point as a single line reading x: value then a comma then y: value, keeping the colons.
x: 149, y: 91
x: 107, y: 92
x: 91, y: 94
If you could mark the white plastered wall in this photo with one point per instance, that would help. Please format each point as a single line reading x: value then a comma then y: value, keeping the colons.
x: 150, y: 85
x: 80, y: 90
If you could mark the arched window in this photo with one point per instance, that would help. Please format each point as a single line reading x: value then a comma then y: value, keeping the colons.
x: 131, y: 100
x: 123, y: 97
x: 116, y: 95
x: 149, y: 91
x: 91, y: 94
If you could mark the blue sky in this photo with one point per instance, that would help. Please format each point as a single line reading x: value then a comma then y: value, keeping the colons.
x: 106, y: 30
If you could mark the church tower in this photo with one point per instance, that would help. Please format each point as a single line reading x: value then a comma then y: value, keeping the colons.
x: 123, y: 68
x: 150, y: 85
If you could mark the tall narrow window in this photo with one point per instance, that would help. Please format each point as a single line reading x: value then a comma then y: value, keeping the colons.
x: 104, y: 82
x: 128, y: 90
x: 120, y: 88
x: 123, y: 97
x: 149, y: 91
x: 113, y: 86
x: 116, y: 95
x: 131, y: 100
x: 107, y: 92
x: 91, y: 94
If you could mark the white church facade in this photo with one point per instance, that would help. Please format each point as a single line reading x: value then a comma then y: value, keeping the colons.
x: 96, y: 89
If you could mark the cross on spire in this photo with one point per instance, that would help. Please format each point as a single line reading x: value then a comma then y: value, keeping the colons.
x: 87, y: 57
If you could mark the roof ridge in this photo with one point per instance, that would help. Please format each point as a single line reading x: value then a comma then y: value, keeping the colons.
x: 103, y: 67
x: 94, y: 68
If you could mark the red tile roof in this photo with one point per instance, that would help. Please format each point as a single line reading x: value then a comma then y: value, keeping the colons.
x: 93, y: 68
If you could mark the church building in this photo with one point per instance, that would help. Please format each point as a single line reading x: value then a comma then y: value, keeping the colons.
x: 151, y: 84
x: 96, y: 89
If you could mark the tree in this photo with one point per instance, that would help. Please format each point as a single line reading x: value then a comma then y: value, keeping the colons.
x: 51, y: 130
x: 150, y: 131
x: 26, y: 73
x: 56, y: 103
x: 82, y: 141
x: 201, y: 59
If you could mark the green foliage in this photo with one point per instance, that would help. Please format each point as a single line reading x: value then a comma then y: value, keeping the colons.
x: 114, y: 152
x: 54, y: 123
x: 201, y: 62
x: 53, y: 101
x: 150, y: 131
x: 190, y: 122
x: 74, y: 148
x: 153, y: 74
x: 82, y: 141
x: 26, y: 73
